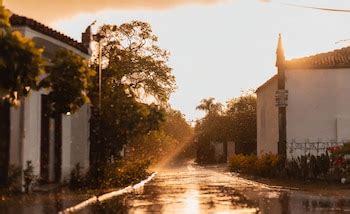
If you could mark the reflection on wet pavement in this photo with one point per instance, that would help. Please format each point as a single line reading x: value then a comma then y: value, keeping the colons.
x: 193, y: 190
x: 200, y: 190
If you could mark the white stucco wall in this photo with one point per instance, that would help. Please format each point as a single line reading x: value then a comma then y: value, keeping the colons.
x: 32, y: 134
x: 75, y: 128
x: 80, y: 129
x: 318, y: 106
x: 66, y: 147
x: 267, y: 119
x: 15, y: 150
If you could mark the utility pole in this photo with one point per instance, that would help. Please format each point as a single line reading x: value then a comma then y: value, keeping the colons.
x: 281, y: 100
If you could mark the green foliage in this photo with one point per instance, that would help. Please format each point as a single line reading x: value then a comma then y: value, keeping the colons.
x: 241, y: 123
x: 309, y: 167
x: 29, y: 176
x: 4, y: 20
x: 210, y: 106
x: 76, y: 178
x: 135, y: 60
x: 209, y: 129
x: 14, y: 175
x: 237, y: 123
x: 154, y: 146
x: 121, y: 173
x: 244, y: 163
x: 114, y: 174
x: 136, y: 84
x: 304, y: 168
x: 268, y: 165
x: 20, y: 63
x: 69, y: 81
x: 171, y: 140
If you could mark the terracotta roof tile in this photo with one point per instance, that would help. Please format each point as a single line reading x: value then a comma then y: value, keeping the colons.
x: 17, y: 20
x: 339, y: 58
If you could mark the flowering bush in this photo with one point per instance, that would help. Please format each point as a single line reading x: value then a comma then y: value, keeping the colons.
x: 340, y: 162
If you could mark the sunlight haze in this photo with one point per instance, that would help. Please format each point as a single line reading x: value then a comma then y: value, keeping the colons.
x: 218, y: 48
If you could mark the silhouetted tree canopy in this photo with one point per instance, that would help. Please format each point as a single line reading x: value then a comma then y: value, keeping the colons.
x: 134, y: 59
x: 20, y: 63
x: 69, y: 81
x: 136, y: 85
x: 241, y: 118
x: 171, y: 142
x: 209, y: 106
x: 236, y: 123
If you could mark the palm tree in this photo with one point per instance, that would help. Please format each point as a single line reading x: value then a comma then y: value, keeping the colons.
x: 209, y: 106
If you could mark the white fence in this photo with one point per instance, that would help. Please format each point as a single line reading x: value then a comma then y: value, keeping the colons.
x: 295, y: 149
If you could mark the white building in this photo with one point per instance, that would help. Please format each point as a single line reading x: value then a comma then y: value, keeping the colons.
x: 306, y: 106
x: 54, y: 146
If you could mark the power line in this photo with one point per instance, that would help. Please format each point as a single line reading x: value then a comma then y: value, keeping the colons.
x: 318, y: 8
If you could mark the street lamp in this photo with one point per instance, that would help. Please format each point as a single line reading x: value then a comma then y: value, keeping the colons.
x: 98, y: 38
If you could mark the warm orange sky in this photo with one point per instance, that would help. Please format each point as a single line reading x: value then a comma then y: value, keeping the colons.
x: 218, y: 47
x: 52, y: 10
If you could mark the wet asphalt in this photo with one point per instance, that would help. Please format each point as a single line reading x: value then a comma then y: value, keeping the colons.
x: 192, y: 189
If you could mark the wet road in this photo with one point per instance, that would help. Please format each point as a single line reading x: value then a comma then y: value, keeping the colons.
x: 193, y: 189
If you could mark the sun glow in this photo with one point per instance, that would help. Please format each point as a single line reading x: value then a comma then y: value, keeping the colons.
x: 191, y: 202
x: 219, y: 50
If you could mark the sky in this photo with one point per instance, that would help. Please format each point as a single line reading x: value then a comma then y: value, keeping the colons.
x: 219, y: 48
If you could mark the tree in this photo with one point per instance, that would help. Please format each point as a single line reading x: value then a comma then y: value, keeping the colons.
x: 69, y: 81
x: 172, y: 141
x: 209, y: 106
x: 209, y: 130
x: 135, y: 60
x: 137, y: 83
x: 20, y: 67
x: 20, y: 63
x: 241, y: 114
x: 236, y: 124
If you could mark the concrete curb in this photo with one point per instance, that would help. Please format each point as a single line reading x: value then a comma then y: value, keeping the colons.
x: 107, y: 196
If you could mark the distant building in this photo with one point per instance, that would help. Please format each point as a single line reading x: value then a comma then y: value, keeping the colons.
x: 54, y: 146
x: 223, y: 151
x: 305, y: 107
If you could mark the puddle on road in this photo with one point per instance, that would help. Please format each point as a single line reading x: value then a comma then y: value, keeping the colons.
x: 195, y: 190
x: 205, y: 191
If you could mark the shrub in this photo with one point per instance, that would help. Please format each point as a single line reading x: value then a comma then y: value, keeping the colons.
x: 121, y: 173
x: 308, y: 167
x: 76, y: 178
x: 268, y: 165
x: 243, y: 163
x: 112, y: 175
x: 14, y: 176
x: 29, y: 176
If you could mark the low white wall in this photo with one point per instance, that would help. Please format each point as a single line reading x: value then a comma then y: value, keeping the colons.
x: 66, y: 147
x: 318, y: 106
x: 32, y: 131
x: 80, y: 129
x: 267, y: 119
